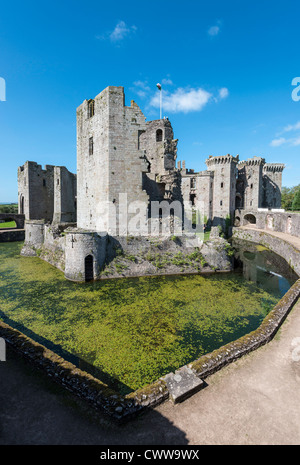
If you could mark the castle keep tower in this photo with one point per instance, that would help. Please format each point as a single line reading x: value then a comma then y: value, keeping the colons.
x: 109, y: 161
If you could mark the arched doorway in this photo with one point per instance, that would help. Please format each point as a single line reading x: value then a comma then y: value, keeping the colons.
x: 89, y: 268
x: 237, y: 221
x: 249, y: 219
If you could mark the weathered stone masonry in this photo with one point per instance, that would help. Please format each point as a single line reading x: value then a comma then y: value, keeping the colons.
x: 123, y: 160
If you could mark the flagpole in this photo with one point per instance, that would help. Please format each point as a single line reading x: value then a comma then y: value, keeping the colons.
x: 160, y: 99
x: 160, y: 103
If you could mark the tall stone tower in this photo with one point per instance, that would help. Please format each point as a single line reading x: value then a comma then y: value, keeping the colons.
x: 250, y: 183
x: 272, y: 181
x: 109, y: 161
x: 224, y: 186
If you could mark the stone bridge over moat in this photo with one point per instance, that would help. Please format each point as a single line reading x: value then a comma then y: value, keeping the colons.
x: 19, y: 219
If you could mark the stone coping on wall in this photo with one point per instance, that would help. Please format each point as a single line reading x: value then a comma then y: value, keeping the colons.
x: 12, y: 235
x: 122, y: 408
x: 280, y: 245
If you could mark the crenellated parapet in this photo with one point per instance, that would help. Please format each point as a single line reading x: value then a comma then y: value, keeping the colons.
x: 274, y: 167
x: 221, y: 160
x: 255, y: 161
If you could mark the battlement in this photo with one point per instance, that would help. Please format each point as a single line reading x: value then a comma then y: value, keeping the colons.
x: 255, y: 161
x: 274, y: 167
x: 221, y: 160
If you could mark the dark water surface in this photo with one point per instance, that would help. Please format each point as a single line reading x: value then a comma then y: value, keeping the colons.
x: 131, y: 331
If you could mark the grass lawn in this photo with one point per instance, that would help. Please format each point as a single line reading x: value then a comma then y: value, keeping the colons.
x: 8, y: 224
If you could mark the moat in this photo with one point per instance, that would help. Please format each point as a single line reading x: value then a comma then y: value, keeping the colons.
x: 131, y: 331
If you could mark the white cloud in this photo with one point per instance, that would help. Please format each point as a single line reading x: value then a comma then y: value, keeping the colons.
x: 167, y: 82
x: 141, y: 88
x: 213, y: 31
x: 182, y: 100
x: 292, y: 127
x: 142, y: 84
x: 278, y: 142
x: 119, y: 33
x: 223, y: 93
x: 291, y: 141
x: 295, y: 141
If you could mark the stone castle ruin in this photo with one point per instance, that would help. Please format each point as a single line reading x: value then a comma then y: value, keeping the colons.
x: 129, y: 182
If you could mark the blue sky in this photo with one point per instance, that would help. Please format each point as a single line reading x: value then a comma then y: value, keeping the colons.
x: 226, y: 69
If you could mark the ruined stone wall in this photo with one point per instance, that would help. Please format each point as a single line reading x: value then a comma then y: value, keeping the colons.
x: 204, y: 194
x: 281, y: 247
x: 23, y: 190
x: 36, y: 185
x: 64, y: 195
x: 160, y: 146
x: 197, y: 190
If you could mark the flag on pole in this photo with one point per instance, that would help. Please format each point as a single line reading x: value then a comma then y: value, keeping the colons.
x: 160, y: 98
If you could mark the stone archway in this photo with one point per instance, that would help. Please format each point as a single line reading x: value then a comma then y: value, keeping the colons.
x: 237, y: 221
x: 249, y: 219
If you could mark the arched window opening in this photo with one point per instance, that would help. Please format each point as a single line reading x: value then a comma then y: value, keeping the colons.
x: 91, y: 108
x: 22, y: 204
x: 159, y: 135
x: 249, y: 219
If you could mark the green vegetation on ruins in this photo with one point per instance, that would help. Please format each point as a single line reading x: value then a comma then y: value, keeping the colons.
x: 134, y: 329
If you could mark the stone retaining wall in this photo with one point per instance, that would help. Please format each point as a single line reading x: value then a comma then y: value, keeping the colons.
x: 270, y: 219
x: 13, y: 235
x: 283, y: 248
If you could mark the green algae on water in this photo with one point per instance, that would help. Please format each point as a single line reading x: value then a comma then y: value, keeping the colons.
x: 133, y: 330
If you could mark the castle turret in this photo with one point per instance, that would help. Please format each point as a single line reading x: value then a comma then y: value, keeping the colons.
x: 224, y: 186
x: 272, y: 181
x: 250, y: 183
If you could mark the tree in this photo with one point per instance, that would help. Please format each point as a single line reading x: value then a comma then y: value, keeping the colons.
x: 287, y: 196
x: 296, y: 201
x: 10, y: 208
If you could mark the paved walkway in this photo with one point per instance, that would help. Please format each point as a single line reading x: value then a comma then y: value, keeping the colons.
x: 295, y: 241
x: 255, y: 400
